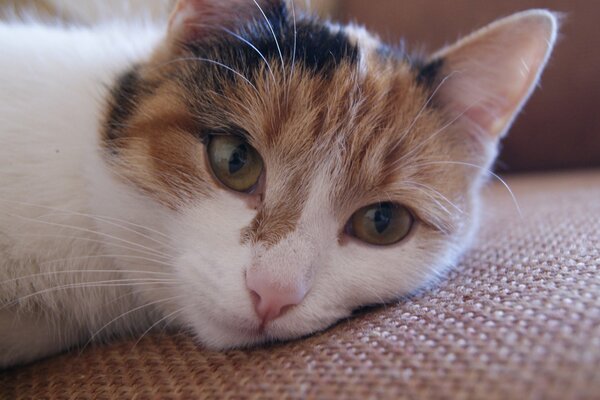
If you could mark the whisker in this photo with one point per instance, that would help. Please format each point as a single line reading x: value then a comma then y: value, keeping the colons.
x: 109, y: 220
x: 174, y: 313
x: 118, y: 246
x: 294, y: 49
x: 92, y: 285
x: 102, y: 256
x: 90, y: 271
x: 496, y: 176
x: 126, y: 314
x: 274, y: 36
x: 295, y: 38
x: 158, y: 242
x: 427, y: 187
x: 141, y: 227
x: 436, y: 201
x: 79, y: 229
x: 201, y: 59
x: 433, y: 135
x: 426, y: 104
x: 131, y: 293
x: 255, y: 49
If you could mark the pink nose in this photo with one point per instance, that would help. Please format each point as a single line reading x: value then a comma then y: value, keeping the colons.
x: 271, y: 299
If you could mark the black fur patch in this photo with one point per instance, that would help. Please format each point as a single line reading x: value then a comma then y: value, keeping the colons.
x: 308, y: 42
x: 123, y: 102
x: 429, y: 73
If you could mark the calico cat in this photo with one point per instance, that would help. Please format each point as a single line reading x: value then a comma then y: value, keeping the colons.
x: 247, y: 173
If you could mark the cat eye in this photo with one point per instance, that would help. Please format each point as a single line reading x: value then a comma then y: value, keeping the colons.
x: 381, y: 224
x: 234, y: 162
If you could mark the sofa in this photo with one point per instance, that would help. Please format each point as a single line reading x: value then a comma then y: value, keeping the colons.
x: 517, y: 318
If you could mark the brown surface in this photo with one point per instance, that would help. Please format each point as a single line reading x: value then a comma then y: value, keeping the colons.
x: 519, y: 318
x: 560, y: 126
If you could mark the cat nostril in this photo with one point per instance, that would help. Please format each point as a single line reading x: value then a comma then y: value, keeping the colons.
x: 270, y: 300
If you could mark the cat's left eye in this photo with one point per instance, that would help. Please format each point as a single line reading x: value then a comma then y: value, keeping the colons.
x: 381, y: 224
x: 234, y: 162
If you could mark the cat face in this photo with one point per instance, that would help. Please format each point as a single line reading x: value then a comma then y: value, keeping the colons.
x: 306, y: 168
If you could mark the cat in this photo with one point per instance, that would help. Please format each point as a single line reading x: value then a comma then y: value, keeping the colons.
x: 245, y: 172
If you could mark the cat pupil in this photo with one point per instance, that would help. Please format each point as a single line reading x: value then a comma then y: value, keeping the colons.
x: 382, y: 218
x: 238, y: 159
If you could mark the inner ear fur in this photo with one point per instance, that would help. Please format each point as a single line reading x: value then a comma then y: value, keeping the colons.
x: 486, y: 78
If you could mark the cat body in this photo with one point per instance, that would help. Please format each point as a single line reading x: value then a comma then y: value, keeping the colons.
x: 361, y: 171
x: 53, y: 82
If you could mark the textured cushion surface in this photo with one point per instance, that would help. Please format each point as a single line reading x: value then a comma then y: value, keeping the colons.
x: 518, y: 318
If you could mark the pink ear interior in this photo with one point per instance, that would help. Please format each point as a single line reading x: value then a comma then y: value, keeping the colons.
x: 491, y: 73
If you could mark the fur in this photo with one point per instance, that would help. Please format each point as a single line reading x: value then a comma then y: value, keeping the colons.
x: 112, y: 223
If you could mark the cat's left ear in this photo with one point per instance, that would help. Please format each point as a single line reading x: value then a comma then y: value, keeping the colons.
x: 195, y: 19
x: 486, y: 78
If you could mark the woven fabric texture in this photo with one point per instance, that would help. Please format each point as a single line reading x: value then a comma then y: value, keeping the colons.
x: 519, y: 318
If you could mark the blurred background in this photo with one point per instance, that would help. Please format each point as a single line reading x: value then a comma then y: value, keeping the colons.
x: 559, y: 128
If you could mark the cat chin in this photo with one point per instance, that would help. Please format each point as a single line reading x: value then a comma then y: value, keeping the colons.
x: 217, y: 332
x: 221, y: 336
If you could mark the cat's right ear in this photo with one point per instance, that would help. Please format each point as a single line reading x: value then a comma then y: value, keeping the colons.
x: 196, y: 19
x: 485, y: 79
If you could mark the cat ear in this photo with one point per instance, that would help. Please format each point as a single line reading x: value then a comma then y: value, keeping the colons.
x: 194, y: 19
x: 486, y: 78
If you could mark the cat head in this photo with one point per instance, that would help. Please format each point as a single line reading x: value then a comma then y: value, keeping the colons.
x: 306, y: 168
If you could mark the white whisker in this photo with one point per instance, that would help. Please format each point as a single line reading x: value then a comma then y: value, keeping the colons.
x: 293, y: 66
x: 102, y: 256
x: 79, y: 229
x: 496, y: 176
x: 427, y: 187
x: 109, y: 220
x: 126, y: 314
x: 425, y: 105
x: 220, y: 64
x: 274, y: 36
x: 174, y: 313
x: 433, y: 136
x: 255, y: 49
x: 81, y: 271
x: 92, y: 285
x: 88, y: 240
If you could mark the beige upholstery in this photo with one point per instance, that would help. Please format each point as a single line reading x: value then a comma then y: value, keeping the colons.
x: 518, y: 318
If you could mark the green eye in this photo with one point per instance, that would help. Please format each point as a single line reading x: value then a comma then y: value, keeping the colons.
x: 381, y: 224
x: 234, y: 162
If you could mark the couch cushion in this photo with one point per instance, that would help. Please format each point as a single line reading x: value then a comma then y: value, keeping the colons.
x: 518, y: 318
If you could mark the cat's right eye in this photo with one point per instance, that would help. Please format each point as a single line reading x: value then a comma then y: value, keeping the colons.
x: 381, y: 224
x: 234, y: 162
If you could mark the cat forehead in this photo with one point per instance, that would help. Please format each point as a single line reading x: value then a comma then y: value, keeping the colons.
x: 309, y: 96
x: 270, y: 81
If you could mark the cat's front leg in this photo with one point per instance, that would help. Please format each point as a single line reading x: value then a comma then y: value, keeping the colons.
x: 26, y: 337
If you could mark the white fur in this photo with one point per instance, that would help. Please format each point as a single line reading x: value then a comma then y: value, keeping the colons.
x: 52, y: 87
